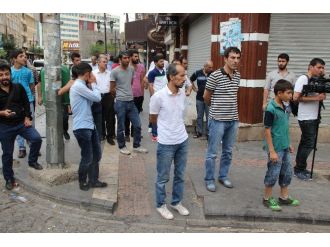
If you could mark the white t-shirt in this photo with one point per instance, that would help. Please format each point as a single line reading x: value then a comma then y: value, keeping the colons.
x: 170, y: 111
x: 102, y: 80
x: 306, y: 110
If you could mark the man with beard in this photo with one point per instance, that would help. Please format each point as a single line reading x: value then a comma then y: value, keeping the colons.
x: 15, y: 119
x: 167, y: 111
x: 281, y: 73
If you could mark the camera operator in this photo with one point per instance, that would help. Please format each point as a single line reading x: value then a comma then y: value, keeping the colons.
x: 307, y: 116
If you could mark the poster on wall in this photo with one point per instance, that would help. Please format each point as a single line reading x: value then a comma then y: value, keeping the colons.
x: 230, y: 34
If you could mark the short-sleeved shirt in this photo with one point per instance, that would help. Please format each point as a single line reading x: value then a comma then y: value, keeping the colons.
x: 102, y: 80
x: 306, y: 110
x: 170, y: 110
x: 201, y: 82
x: 224, y: 98
x: 123, y: 79
x: 24, y: 77
x: 136, y: 86
x: 277, y: 118
x: 157, y: 78
x: 274, y: 76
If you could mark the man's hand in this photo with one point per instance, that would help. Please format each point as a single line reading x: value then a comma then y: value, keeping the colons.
x: 39, y: 101
x: 27, y: 122
x: 273, y: 156
x: 322, y: 96
x: 291, y: 149
x: 7, y: 113
x: 91, y: 78
x: 264, y: 106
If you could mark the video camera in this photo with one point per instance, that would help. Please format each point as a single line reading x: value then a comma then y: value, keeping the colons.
x: 317, y: 85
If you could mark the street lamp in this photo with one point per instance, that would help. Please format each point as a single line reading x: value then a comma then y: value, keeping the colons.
x: 98, y: 24
x: 111, y: 27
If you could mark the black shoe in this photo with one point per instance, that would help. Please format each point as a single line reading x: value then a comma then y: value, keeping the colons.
x: 102, y: 138
x: 127, y: 138
x: 111, y: 141
x: 11, y: 184
x: 21, y: 154
x: 98, y: 184
x: 66, y: 136
x: 197, y: 135
x: 84, y: 186
x: 36, y: 166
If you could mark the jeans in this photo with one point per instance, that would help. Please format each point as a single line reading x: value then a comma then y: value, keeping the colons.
x: 8, y: 134
x: 226, y: 132
x: 108, y: 115
x: 97, y: 116
x: 123, y: 109
x: 201, y: 108
x: 166, y: 154
x: 138, y: 101
x: 90, y: 147
x: 20, y: 139
x: 306, y: 145
x: 281, y: 170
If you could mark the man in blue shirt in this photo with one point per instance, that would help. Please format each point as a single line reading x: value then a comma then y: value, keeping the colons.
x: 22, y: 75
x: 82, y: 95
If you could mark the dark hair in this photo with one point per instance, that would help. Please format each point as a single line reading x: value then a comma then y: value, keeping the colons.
x: 283, y: 56
x: 74, y: 72
x: 158, y: 57
x: 316, y: 61
x: 15, y: 53
x: 82, y: 68
x: 132, y: 52
x: 282, y: 86
x: 171, y: 70
x: 74, y: 55
x: 115, y: 60
x: 176, y: 60
x: 123, y: 53
x: 4, y: 66
x: 182, y: 58
x: 231, y: 49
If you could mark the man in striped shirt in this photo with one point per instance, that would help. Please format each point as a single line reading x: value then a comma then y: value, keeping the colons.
x: 221, y: 95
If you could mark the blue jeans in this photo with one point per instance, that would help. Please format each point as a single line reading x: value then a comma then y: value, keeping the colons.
x: 8, y: 134
x: 20, y: 139
x: 90, y: 147
x: 97, y: 117
x: 123, y: 109
x: 202, y: 108
x: 166, y: 154
x: 226, y: 132
x: 281, y: 170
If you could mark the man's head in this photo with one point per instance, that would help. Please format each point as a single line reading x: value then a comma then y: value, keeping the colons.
x: 208, y: 67
x: 232, y: 57
x: 5, y: 75
x: 184, y: 63
x: 176, y: 61
x: 102, y: 62
x: 75, y: 58
x: 124, y: 58
x: 94, y: 60
x: 284, y: 90
x: 19, y: 57
x: 83, y: 71
x: 159, y: 61
x: 316, y: 67
x: 134, y: 56
x: 176, y: 75
x: 282, y: 61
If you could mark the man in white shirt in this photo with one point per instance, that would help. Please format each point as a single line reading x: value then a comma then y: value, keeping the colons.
x: 94, y: 62
x: 307, y: 116
x: 167, y: 111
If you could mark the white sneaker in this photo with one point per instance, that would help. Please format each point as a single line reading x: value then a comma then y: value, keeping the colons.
x: 181, y: 209
x: 149, y: 130
x: 124, y: 150
x: 165, y: 213
x: 140, y: 150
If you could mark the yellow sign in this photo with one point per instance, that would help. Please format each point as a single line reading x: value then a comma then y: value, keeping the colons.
x: 70, y: 46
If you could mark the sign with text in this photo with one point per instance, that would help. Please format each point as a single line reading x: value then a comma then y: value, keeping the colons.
x: 168, y: 21
x: 70, y: 45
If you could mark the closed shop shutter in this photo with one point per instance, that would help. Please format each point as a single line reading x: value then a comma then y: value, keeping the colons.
x: 303, y: 37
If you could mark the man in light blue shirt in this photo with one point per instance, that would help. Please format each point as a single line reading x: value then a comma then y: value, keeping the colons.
x: 82, y: 95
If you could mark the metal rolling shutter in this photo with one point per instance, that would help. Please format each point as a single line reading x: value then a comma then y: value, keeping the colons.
x: 199, y: 43
x: 303, y: 37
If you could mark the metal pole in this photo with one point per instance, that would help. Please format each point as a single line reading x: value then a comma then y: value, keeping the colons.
x: 105, y: 34
x: 54, y: 116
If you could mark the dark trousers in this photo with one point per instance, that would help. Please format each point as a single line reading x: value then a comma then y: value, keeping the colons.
x: 90, y: 147
x: 306, y: 145
x: 8, y: 135
x: 108, y: 116
x: 97, y: 116
x: 138, y: 101
x: 65, y: 118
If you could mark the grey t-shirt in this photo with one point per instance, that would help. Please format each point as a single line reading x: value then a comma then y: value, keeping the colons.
x: 274, y: 76
x: 123, y: 79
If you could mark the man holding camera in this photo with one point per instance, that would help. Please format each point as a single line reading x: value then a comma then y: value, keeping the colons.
x: 307, y: 116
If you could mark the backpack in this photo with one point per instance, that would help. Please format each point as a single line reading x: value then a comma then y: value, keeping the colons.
x: 294, y: 105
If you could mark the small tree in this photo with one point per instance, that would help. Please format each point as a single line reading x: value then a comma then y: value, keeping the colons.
x: 9, y: 44
x: 97, y: 49
x: 3, y: 53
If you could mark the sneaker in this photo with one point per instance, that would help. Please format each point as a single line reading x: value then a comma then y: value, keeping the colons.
x: 124, y: 150
x: 66, y: 136
x: 154, y: 139
x: 301, y: 175
x: 165, y: 213
x: 21, y: 154
x: 289, y: 202
x: 272, y: 204
x: 181, y: 209
x: 11, y: 184
x: 140, y: 150
x: 36, y: 166
x: 226, y: 182
x: 98, y: 184
x: 149, y: 129
x: 111, y: 141
x: 210, y: 187
x: 197, y: 135
x: 84, y: 186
